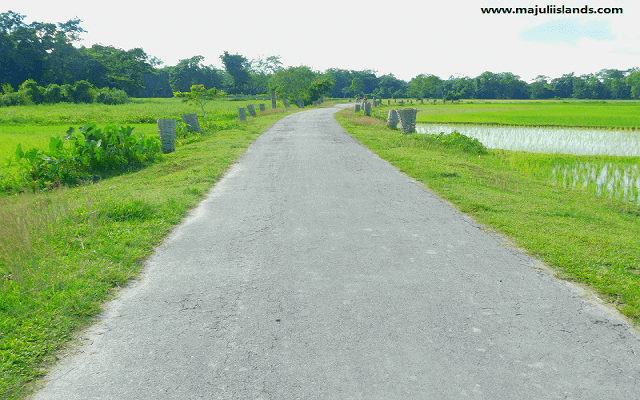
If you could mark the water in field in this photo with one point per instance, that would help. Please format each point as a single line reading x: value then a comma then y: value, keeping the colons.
x: 612, y: 180
x: 547, y: 140
x: 609, y: 179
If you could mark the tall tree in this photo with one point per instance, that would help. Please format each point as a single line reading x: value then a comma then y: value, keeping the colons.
x: 191, y: 71
x: 238, y: 67
x: 293, y: 83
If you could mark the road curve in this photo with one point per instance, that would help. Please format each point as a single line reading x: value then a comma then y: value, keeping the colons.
x: 315, y: 270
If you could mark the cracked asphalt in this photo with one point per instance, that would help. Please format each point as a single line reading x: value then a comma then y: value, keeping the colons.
x: 315, y: 270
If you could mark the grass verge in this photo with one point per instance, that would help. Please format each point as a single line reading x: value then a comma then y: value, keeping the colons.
x: 584, y: 238
x: 63, y: 252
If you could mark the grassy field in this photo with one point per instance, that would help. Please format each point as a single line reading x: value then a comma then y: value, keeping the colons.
x: 584, y: 238
x: 32, y: 126
x: 62, y: 252
x: 540, y: 113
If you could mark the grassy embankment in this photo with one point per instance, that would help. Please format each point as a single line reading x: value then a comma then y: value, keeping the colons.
x: 63, y: 252
x: 585, y: 238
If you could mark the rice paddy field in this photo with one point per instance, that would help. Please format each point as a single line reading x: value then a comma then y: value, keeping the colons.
x: 589, y: 146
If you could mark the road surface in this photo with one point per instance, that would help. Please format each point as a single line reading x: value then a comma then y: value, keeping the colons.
x: 315, y: 270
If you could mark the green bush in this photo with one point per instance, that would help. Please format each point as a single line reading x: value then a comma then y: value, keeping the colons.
x: 54, y: 94
x: 13, y: 99
x: 94, y: 154
x: 462, y: 142
x: 111, y: 96
x: 82, y: 92
x: 32, y: 92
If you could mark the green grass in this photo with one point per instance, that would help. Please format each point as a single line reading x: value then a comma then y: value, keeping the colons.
x: 530, y: 113
x: 584, y: 238
x: 62, y: 252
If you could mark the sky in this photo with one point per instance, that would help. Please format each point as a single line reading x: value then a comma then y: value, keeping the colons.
x: 444, y: 38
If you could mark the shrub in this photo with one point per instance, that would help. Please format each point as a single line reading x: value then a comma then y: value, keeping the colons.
x: 13, y: 99
x: 94, y: 154
x: 54, y: 94
x: 82, y: 92
x: 32, y: 92
x: 462, y: 142
x: 111, y: 96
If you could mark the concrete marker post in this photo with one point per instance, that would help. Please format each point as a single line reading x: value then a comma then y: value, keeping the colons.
x: 252, y: 110
x: 242, y: 114
x: 192, y: 122
x: 167, y: 133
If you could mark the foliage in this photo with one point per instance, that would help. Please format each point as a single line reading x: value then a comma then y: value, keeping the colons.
x: 81, y: 92
x: 110, y: 96
x: 54, y: 94
x: 238, y: 67
x: 319, y: 88
x: 461, y: 142
x: 192, y: 71
x: 31, y: 91
x: 200, y: 96
x: 94, y: 154
x: 294, y: 83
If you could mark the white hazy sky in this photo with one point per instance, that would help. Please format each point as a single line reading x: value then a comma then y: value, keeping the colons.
x: 444, y: 38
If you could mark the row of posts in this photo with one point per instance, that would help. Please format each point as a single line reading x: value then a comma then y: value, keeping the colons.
x: 242, y: 112
x: 167, y: 127
x: 406, y: 117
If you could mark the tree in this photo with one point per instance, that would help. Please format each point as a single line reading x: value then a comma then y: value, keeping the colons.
x: 260, y: 71
x: 540, y: 88
x: 487, y: 85
x: 320, y: 87
x: 238, y: 67
x: 293, y: 83
x: 191, y: 71
x: 426, y: 86
x: 389, y: 84
x: 563, y: 86
x: 357, y: 87
x: 633, y: 81
x: 200, y: 96
x: 341, y: 79
x: 123, y: 69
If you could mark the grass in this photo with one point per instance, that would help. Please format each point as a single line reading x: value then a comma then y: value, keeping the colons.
x: 584, y: 238
x: 63, y: 252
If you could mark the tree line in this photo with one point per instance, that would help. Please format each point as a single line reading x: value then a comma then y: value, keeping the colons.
x: 44, y: 54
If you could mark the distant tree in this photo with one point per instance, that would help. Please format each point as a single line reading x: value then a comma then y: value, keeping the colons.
x: 389, y: 84
x: 487, y: 85
x: 540, y: 88
x: 293, y: 83
x: 633, y: 82
x: 426, y: 86
x: 341, y: 79
x: 123, y: 69
x: 357, y: 87
x: 238, y: 67
x: 191, y: 71
x: 563, y: 86
x: 260, y: 71
x: 319, y: 88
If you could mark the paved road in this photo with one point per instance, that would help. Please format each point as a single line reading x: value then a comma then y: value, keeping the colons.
x: 315, y: 270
